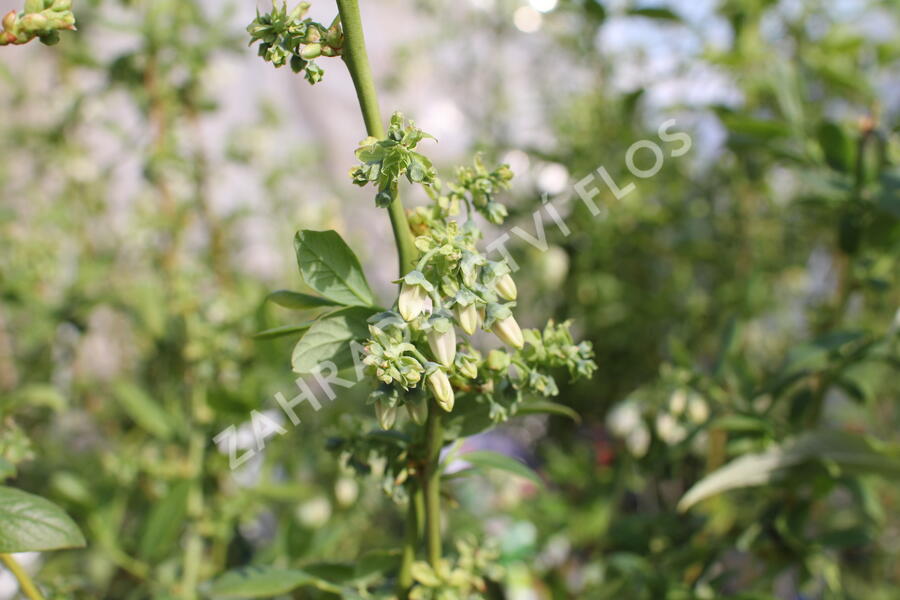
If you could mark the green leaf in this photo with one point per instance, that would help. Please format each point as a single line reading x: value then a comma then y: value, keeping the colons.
x: 298, y: 300
x: 331, y: 572
x: 143, y: 410
x: 284, y: 330
x: 836, y: 146
x: 264, y: 582
x: 846, y: 451
x: 7, y: 469
x: 495, y: 460
x: 548, y: 407
x: 329, y: 266
x: 164, y: 525
x: 652, y: 12
x: 29, y: 523
x: 329, y: 339
x: 376, y: 562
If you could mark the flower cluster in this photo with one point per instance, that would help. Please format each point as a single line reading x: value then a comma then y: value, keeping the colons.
x: 454, y: 285
x: 288, y: 37
x: 478, y: 187
x: 42, y: 19
x: 676, y: 416
x: 465, y: 578
x: 385, y: 161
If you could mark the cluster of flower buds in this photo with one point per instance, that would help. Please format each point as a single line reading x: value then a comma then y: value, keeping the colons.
x: 395, y: 361
x: 289, y: 37
x: 392, y: 354
x: 388, y: 354
x: 42, y: 19
x: 383, y: 162
x: 477, y: 186
x: 454, y: 285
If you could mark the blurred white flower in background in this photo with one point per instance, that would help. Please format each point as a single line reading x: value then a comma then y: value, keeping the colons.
x: 314, y: 513
x: 678, y: 402
x: 669, y: 429
x: 638, y: 441
x: 543, y: 6
x: 346, y: 491
x: 698, y: 410
x: 553, y: 178
x: 625, y: 417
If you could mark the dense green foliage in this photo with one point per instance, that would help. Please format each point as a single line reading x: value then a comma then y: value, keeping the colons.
x: 737, y: 439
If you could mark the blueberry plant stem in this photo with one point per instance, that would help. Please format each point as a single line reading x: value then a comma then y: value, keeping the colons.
x: 410, y: 542
x: 25, y: 584
x: 434, y: 436
x: 357, y: 60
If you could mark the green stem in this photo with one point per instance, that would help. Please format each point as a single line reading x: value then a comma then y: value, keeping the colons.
x: 410, y: 541
x: 357, y: 59
x: 434, y: 438
x: 25, y: 584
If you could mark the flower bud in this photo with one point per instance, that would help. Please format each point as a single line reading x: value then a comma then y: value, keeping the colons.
x: 412, y: 301
x: 34, y: 22
x: 467, y: 317
x: 418, y: 410
x: 33, y: 6
x: 387, y: 415
x: 506, y: 287
x: 440, y: 387
x: 467, y: 364
x: 9, y: 20
x: 311, y: 51
x: 509, y: 332
x: 413, y: 298
x: 498, y: 360
x: 698, y: 410
x: 443, y: 345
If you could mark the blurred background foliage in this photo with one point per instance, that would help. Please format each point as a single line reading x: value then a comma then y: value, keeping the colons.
x: 743, y: 302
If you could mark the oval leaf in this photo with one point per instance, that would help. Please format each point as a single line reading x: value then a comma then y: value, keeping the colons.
x: 284, y: 330
x: 329, y: 266
x: 547, y: 407
x: 298, y: 300
x: 329, y: 340
x: 163, y: 527
x: 495, y: 460
x: 264, y: 582
x: 29, y: 523
x: 143, y: 410
x: 844, y: 450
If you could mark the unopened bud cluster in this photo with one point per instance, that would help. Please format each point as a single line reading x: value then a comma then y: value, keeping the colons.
x: 42, y: 19
x: 288, y: 37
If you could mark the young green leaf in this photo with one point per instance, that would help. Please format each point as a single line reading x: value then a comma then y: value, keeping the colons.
x: 847, y: 451
x: 329, y: 266
x: 164, y: 525
x: 143, y: 410
x: 328, y: 339
x: 494, y: 460
x: 299, y: 300
x: 548, y: 407
x: 284, y: 330
x: 265, y: 582
x: 29, y: 523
